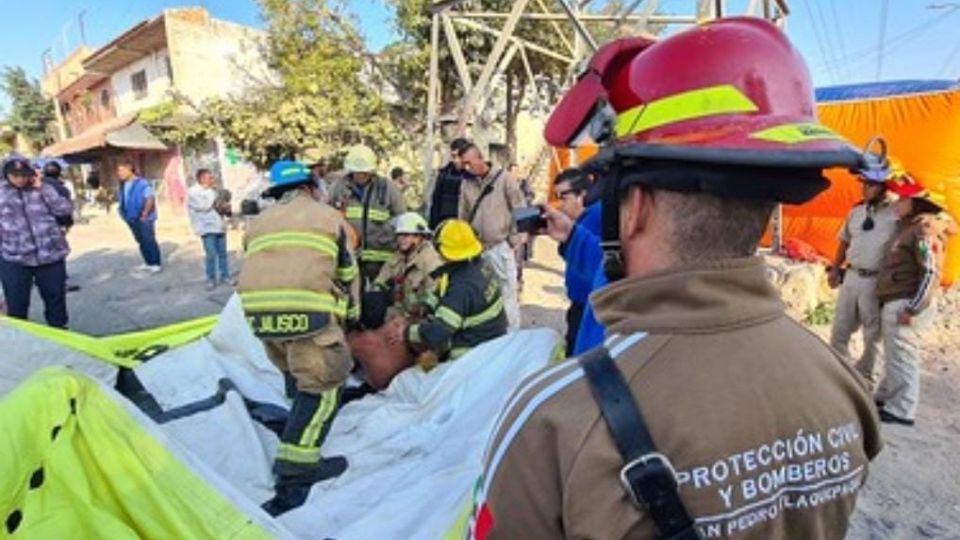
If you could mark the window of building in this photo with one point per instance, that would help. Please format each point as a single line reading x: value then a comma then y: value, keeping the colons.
x: 139, y: 83
x: 105, y: 99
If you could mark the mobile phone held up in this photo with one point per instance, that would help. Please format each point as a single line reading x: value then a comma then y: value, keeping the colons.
x: 530, y: 220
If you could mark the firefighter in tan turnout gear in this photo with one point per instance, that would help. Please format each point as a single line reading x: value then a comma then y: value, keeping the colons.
x: 369, y: 204
x: 708, y: 412
x: 298, y: 287
x: 406, y: 277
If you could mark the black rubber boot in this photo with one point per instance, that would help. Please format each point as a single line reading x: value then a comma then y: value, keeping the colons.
x: 293, y: 488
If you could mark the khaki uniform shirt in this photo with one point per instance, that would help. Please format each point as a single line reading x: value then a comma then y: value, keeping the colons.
x: 493, y: 221
x: 769, y: 430
x: 408, y: 276
x: 866, y: 248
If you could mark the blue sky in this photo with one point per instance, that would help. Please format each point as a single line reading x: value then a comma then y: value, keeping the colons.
x: 839, y: 38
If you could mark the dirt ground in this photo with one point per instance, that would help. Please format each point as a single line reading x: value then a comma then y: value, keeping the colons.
x: 914, y: 485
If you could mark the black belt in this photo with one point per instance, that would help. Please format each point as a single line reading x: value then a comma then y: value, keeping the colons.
x: 648, y: 476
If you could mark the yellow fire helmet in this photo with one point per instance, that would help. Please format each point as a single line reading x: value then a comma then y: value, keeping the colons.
x: 456, y: 241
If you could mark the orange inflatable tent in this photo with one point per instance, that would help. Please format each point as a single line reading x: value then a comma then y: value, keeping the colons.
x: 920, y: 121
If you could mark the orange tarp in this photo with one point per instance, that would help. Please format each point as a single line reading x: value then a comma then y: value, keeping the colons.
x: 922, y: 130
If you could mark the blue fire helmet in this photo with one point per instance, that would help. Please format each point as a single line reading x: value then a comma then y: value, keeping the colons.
x: 287, y: 173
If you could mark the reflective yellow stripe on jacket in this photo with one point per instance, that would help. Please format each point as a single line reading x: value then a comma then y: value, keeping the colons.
x: 355, y: 211
x: 318, y: 242
x: 487, y: 315
x: 375, y: 255
x: 293, y: 300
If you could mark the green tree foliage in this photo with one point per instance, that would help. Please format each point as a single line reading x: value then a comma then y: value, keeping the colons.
x: 326, y: 95
x: 30, y: 111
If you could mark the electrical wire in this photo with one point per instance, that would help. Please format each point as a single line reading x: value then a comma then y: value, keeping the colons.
x: 819, y: 39
x: 839, y: 34
x: 884, y: 14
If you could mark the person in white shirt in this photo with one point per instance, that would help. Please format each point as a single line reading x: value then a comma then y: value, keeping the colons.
x: 207, y: 223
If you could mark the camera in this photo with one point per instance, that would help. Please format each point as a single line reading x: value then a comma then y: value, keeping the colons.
x: 530, y: 220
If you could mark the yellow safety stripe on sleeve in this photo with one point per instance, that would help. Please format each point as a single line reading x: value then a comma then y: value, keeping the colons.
x: 292, y: 299
x: 353, y: 312
x: 458, y: 352
x: 355, y: 211
x: 450, y: 317
x: 375, y: 255
x: 487, y: 315
x: 690, y: 105
x: 298, y: 454
x: 328, y: 404
x: 348, y: 273
x: 795, y: 133
x: 413, y: 334
x: 317, y: 242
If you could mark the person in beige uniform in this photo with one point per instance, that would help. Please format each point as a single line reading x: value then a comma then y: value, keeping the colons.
x: 487, y: 202
x: 907, y: 288
x: 709, y: 413
x: 863, y: 239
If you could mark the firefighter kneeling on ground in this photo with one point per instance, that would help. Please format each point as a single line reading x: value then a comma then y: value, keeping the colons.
x: 402, y: 294
x: 469, y: 307
x: 299, y: 286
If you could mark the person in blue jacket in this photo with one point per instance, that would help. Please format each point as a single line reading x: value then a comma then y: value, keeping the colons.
x: 138, y: 208
x: 577, y: 229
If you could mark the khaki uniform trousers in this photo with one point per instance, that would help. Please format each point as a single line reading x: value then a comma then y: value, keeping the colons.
x: 503, y: 261
x: 858, y: 307
x: 899, y: 389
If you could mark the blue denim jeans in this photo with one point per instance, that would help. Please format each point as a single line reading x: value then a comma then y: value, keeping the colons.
x: 143, y: 233
x: 215, y: 248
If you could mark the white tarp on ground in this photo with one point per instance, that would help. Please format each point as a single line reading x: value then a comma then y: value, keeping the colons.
x: 414, y: 450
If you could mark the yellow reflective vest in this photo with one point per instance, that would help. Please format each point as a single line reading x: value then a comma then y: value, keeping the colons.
x: 369, y: 210
x: 299, y: 273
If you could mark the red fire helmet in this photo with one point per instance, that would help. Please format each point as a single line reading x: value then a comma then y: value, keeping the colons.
x: 730, y: 91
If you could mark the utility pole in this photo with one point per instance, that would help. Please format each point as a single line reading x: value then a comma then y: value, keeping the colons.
x: 47, y: 62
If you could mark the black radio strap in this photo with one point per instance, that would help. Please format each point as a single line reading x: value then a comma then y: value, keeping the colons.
x: 647, y: 475
x: 487, y: 190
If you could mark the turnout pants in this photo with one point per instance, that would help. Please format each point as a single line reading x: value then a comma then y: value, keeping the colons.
x: 899, y: 389
x: 503, y: 260
x: 318, y: 365
x: 51, y: 280
x: 858, y: 307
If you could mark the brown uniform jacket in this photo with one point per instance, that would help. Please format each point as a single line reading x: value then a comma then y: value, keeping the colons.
x: 493, y: 220
x: 298, y: 261
x: 913, y: 261
x: 769, y: 431
x: 408, y: 277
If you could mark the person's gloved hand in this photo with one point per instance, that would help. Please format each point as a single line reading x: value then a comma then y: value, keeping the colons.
x: 427, y: 360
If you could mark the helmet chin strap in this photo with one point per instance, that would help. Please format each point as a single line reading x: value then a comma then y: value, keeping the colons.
x: 613, y: 265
